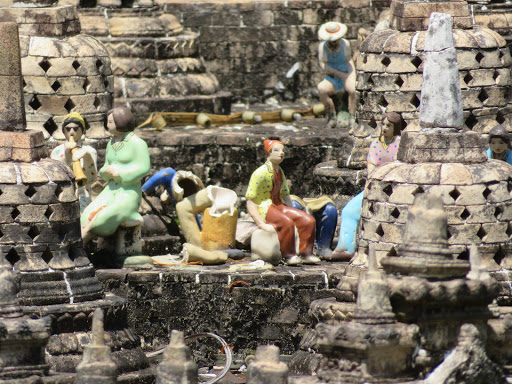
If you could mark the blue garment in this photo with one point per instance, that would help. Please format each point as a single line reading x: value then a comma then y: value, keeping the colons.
x: 338, y: 61
x: 350, y: 216
x: 164, y: 177
x: 507, y: 158
x: 326, y: 220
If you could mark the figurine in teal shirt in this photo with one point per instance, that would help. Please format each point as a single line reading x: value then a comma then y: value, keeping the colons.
x: 499, y: 144
x: 126, y: 163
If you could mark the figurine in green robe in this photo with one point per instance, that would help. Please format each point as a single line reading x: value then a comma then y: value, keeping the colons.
x: 126, y: 163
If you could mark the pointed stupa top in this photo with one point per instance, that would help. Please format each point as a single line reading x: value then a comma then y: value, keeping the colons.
x: 441, y: 97
x: 441, y: 139
x: 425, y: 251
x: 97, y: 366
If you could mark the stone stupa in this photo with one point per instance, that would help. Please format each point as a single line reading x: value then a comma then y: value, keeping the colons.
x: 40, y: 238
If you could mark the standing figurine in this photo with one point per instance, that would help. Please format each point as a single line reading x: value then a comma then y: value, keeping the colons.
x: 382, y: 150
x: 269, y: 204
x: 499, y: 144
x: 80, y: 157
x: 334, y: 55
x: 126, y: 163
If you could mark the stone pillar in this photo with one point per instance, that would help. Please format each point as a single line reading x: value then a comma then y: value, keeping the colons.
x: 177, y: 366
x: 97, y: 367
x: 267, y: 369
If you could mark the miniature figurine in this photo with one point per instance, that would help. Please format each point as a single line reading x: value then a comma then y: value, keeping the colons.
x: 499, y: 144
x: 126, y: 163
x: 80, y: 157
x: 270, y: 206
x: 326, y: 216
x: 334, y: 55
x: 382, y: 150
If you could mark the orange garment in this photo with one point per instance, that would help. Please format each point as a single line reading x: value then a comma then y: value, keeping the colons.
x: 285, y: 219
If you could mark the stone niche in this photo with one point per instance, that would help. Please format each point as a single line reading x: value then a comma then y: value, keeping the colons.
x: 390, y: 73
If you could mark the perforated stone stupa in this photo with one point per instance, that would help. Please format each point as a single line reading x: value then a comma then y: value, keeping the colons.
x: 40, y: 237
x: 156, y: 63
x: 448, y: 160
x: 63, y: 70
x: 389, y: 73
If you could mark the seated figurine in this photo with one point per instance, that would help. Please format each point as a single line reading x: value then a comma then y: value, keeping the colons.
x: 334, y: 55
x: 270, y: 206
x: 126, y: 163
x: 382, y: 150
x: 499, y: 144
x: 78, y: 156
x: 326, y: 216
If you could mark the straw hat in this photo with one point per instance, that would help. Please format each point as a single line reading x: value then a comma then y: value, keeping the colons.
x: 332, y: 31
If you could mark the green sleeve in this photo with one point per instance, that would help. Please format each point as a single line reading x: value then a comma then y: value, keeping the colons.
x: 139, y: 167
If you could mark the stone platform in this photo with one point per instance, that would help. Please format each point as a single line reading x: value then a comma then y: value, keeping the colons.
x: 246, y: 308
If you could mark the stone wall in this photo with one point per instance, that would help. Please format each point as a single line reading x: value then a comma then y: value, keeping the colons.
x: 250, y: 45
x: 246, y: 308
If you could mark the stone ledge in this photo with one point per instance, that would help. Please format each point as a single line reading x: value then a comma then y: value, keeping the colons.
x: 268, y: 307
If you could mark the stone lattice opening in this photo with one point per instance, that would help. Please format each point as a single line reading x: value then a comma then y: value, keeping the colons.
x: 471, y: 121
x: 106, y: 84
x: 48, y: 212
x: 47, y: 255
x: 76, y: 65
x: 416, y: 61
x: 379, y: 231
x: 86, y: 84
x: 497, y: 212
x: 509, y: 230
x: 483, y: 96
x: 398, y: 81
x: 415, y: 101
x: 370, y: 208
x: 45, y: 65
x: 69, y: 105
x: 50, y: 126
x: 34, y: 103
x: 395, y: 213
x: 370, y: 81
x: 15, y: 213
x: 464, y: 255
x: 392, y: 252
x: 58, y: 191
x: 495, y: 75
x: 12, y: 256
x: 372, y: 123
x: 97, y: 102
x: 486, y: 192
x: 33, y: 232
x: 31, y: 191
x: 417, y: 191
x: 465, y: 214
x: 468, y: 78
x: 479, y: 57
x: 499, y: 256
x: 385, y: 61
x: 481, y: 233
x: 56, y: 85
x: 383, y: 102
x: 99, y: 64
x: 455, y: 194
x: 388, y: 190
x: 365, y: 59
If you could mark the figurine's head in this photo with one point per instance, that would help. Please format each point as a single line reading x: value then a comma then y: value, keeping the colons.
x: 120, y: 120
x: 274, y: 150
x: 74, y: 126
x: 332, y: 32
x: 499, y: 140
x: 391, y: 124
